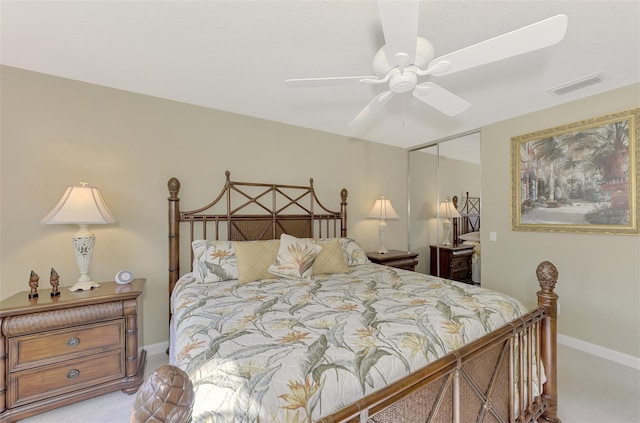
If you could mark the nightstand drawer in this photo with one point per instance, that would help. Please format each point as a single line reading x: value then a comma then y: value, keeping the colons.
x: 30, y: 351
x: 460, y: 274
x: 459, y: 264
x: 35, y: 384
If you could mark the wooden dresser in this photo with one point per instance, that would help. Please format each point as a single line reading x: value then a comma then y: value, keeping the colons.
x: 455, y: 262
x: 56, y: 351
x: 396, y: 258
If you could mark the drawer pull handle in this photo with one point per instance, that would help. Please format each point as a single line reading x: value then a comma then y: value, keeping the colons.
x: 72, y: 374
x: 73, y: 342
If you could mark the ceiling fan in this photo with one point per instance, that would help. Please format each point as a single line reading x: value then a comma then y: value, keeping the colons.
x: 405, y: 57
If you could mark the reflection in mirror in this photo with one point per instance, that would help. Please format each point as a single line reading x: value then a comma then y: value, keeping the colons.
x: 436, y: 173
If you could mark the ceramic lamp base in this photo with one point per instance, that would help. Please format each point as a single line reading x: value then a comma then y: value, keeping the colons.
x: 84, y: 286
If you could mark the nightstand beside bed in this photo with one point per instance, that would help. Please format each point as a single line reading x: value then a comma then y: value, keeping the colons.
x: 454, y: 260
x: 56, y: 351
x: 396, y: 258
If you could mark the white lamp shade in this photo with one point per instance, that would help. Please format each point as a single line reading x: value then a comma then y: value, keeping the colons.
x: 447, y: 210
x: 81, y: 205
x: 382, y: 209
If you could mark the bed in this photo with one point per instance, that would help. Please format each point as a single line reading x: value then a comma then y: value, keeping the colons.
x: 350, y: 344
x: 466, y: 230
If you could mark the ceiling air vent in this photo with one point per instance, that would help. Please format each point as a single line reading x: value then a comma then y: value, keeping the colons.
x: 578, y: 84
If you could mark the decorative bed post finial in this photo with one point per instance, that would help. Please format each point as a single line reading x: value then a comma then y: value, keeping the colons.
x: 228, y: 175
x: 174, y: 188
x: 169, y: 385
x: 547, y: 275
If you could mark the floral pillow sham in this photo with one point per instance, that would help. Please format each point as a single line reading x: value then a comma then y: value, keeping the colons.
x: 216, y: 261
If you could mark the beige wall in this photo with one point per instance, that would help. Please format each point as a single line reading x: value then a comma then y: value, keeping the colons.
x: 56, y: 132
x: 599, y: 283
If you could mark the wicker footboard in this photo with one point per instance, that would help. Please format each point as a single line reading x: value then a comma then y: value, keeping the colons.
x: 489, y: 380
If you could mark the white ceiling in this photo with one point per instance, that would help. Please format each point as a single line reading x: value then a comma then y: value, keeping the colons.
x: 235, y: 55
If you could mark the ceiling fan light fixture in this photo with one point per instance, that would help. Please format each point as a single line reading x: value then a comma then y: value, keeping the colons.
x: 403, y: 82
x: 406, y: 56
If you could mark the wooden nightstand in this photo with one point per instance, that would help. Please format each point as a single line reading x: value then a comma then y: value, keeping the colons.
x: 396, y: 258
x: 55, y: 351
x: 455, y: 262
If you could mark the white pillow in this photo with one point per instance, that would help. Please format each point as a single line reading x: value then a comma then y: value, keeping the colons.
x: 471, y: 236
x: 353, y: 252
x: 214, y: 261
x: 295, y: 258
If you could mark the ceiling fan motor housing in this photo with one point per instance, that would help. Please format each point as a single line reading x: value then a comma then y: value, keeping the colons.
x: 402, y: 82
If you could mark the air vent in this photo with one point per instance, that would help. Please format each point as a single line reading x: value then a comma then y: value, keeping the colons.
x: 578, y: 84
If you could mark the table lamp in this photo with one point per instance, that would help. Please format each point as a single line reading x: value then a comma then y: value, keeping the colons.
x: 382, y: 210
x: 81, y: 205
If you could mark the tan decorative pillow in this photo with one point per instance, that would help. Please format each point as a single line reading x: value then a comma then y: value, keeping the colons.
x: 331, y: 258
x: 254, y: 259
x: 295, y: 258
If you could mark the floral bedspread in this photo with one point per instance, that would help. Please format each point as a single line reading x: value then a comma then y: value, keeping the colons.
x: 283, y: 350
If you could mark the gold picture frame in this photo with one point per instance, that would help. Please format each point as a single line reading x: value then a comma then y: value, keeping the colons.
x: 580, y: 178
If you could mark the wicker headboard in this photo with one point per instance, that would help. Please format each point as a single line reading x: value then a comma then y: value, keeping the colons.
x: 247, y: 211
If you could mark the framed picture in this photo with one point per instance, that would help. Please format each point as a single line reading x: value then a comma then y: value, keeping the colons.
x: 580, y: 177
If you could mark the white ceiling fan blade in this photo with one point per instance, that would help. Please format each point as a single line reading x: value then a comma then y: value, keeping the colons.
x: 529, y: 38
x: 441, y: 99
x: 400, y: 27
x: 375, y: 106
x: 337, y: 81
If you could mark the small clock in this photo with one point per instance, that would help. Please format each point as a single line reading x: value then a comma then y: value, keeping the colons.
x: 124, y: 277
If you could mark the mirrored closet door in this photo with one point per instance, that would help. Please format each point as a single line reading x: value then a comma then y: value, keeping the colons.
x: 444, y: 194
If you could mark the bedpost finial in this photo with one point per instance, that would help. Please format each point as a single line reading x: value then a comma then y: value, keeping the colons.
x: 311, y: 182
x: 547, y: 275
x: 167, y: 384
x: 343, y: 195
x: 174, y: 187
x: 227, y: 174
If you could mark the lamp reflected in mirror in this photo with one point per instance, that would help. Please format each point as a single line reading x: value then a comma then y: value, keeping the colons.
x: 446, y: 212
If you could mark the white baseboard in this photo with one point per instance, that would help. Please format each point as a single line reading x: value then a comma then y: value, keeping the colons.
x: 597, y: 350
x: 160, y: 347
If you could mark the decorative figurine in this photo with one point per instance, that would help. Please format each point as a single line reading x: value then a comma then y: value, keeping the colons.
x: 54, y: 281
x: 33, y: 283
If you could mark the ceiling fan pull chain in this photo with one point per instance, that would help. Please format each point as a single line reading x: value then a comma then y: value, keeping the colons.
x: 403, y: 123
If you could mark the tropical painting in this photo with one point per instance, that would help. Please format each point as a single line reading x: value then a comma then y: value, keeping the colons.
x: 578, y: 178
